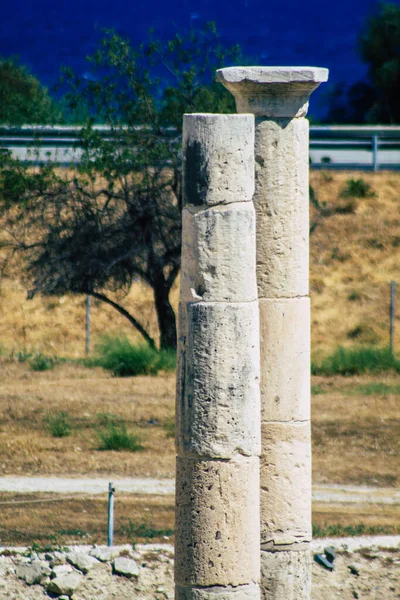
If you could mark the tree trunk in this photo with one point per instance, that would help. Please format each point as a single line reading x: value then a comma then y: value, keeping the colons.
x: 125, y: 314
x: 165, y: 315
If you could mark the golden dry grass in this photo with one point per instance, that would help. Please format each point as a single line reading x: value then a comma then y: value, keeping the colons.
x: 84, y: 519
x: 356, y: 436
x: 353, y: 258
x: 145, y: 404
x: 356, y: 439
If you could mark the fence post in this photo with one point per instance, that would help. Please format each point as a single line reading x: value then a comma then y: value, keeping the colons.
x: 392, y: 314
x: 110, y: 523
x: 278, y: 97
x: 87, y: 337
x: 375, y: 153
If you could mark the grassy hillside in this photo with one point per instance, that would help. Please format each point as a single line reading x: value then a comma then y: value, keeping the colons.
x: 355, y: 253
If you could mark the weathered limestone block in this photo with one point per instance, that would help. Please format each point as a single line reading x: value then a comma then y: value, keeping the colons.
x: 281, y: 202
x: 218, y: 401
x: 286, y: 575
x: 82, y: 561
x: 242, y: 592
x: 217, y: 541
x: 32, y: 573
x: 218, y: 158
x: 272, y: 91
x: 65, y: 584
x: 285, y: 480
x: 218, y: 253
x: 285, y: 360
x: 123, y: 565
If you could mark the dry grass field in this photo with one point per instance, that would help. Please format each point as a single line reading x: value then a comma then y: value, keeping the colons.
x: 356, y: 440
x: 354, y: 256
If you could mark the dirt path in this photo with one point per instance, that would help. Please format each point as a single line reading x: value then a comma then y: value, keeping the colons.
x: 62, y: 485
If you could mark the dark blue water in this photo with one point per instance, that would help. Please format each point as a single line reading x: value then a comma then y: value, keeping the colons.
x: 46, y: 34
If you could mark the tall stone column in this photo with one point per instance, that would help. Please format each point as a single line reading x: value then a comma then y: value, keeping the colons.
x: 218, y: 401
x: 278, y: 97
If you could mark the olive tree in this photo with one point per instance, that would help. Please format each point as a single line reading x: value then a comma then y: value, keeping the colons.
x: 115, y: 218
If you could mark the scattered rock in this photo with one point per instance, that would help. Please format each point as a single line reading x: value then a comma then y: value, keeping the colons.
x: 32, y: 573
x: 354, y: 569
x: 61, y: 570
x: 56, y: 558
x: 105, y: 553
x: 82, y: 561
x: 125, y: 566
x: 330, y: 553
x: 323, y: 561
x: 65, y: 584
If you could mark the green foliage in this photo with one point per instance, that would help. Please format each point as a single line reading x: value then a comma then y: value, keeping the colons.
x: 357, y: 188
x: 337, y: 530
x: 115, y: 436
x: 99, y: 239
x: 354, y: 361
x: 170, y: 429
x: 59, y: 424
x: 41, y: 362
x: 124, y: 359
x: 144, y: 530
x: 377, y: 389
x: 23, y: 100
x: 379, y: 45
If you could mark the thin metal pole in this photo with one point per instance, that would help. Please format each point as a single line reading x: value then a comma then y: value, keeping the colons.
x: 392, y: 313
x: 375, y: 153
x: 111, y: 491
x: 87, y: 340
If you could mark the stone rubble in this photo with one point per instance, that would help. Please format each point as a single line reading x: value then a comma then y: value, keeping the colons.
x: 377, y: 578
x: 85, y: 573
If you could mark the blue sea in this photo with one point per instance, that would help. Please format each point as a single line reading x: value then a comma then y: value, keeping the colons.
x: 47, y: 34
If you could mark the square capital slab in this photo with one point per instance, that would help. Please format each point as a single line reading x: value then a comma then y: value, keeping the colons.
x: 272, y: 91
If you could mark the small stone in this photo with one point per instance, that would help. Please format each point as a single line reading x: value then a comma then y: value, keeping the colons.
x: 104, y: 553
x: 324, y: 562
x: 82, y: 561
x: 32, y: 573
x: 330, y: 553
x: 125, y: 566
x: 61, y: 570
x: 354, y: 570
x: 65, y: 584
x: 56, y: 558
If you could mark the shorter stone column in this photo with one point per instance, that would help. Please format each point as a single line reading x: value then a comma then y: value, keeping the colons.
x: 218, y: 404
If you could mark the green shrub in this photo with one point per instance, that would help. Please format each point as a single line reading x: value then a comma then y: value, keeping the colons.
x: 170, y: 429
x: 40, y: 362
x: 124, y: 359
x: 165, y: 360
x: 357, y: 188
x: 144, y: 530
x: 354, y: 361
x: 59, y: 424
x: 116, y: 437
x: 337, y: 530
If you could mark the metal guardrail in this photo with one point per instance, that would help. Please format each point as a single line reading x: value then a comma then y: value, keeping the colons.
x: 331, y: 147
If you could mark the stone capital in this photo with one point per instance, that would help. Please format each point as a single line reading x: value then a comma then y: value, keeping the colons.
x: 272, y: 91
